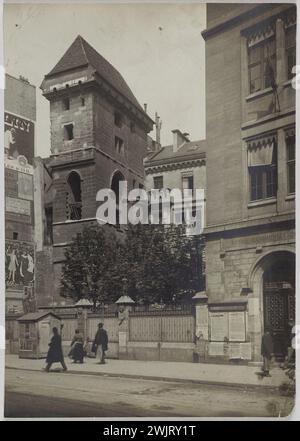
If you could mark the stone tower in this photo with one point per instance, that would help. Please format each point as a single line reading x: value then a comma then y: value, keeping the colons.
x: 98, y: 137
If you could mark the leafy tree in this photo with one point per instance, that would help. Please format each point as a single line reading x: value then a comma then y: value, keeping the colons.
x: 155, y: 263
x: 159, y: 263
x: 89, y: 266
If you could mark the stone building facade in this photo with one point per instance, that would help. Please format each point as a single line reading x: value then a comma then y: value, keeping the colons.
x: 181, y: 165
x: 19, y: 138
x: 98, y: 138
x: 250, y: 211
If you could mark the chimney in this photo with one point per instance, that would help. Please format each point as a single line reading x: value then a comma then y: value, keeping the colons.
x: 158, y: 124
x: 178, y: 139
x: 145, y: 107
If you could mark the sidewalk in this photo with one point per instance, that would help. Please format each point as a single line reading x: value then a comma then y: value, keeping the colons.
x: 215, y: 374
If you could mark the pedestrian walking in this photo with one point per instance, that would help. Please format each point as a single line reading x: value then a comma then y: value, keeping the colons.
x: 266, y: 352
x: 100, y: 343
x: 77, y: 351
x: 55, y: 352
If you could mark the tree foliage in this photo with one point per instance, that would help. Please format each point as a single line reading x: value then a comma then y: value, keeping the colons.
x: 154, y: 263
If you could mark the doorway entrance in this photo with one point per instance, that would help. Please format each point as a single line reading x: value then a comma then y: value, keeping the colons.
x: 279, y: 300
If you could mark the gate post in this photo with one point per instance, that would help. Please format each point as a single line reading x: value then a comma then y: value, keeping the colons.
x: 201, y: 332
x: 82, y: 307
x: 124, y: 306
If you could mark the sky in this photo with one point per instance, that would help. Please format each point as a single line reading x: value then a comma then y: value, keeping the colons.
x: 157, y: 48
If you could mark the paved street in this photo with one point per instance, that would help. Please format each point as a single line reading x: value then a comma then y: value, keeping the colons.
x: 38, y: 394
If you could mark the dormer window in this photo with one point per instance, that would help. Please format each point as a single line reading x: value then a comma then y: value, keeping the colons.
x: 132, y: 127
x: 82, y: 100
x: 66, y: 104
x: 68, y: 132
x: 118, y: 119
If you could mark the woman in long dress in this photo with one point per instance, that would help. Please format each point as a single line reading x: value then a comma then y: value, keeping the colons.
x: 77, y: 350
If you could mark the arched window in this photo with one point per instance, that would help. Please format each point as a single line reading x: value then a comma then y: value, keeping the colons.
x: 117, y: 178
x: 74, y: 203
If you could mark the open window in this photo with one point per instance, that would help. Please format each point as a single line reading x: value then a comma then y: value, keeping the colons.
x: 68, y: 132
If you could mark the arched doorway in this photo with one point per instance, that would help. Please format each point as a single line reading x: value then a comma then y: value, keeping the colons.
x: 279, y: 299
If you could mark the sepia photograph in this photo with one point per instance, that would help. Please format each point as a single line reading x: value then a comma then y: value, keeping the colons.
x: 150, y: 253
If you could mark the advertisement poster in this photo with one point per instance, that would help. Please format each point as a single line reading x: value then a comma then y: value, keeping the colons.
x: 19, y: 264
x: 18, y: 137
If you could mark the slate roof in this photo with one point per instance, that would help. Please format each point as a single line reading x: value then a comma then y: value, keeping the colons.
x: 35, y: 316
x: 81, y: 54
x: 187, y: 150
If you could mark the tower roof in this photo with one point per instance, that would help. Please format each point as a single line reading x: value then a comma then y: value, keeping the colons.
x: 81, y: 54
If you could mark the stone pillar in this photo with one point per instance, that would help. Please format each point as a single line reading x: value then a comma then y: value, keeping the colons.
x: 255, y: 324
x: 123, y: 320
x: 82, y: 321
x: 281, y: 71
x: 202, y: 334
x: 281, y: 170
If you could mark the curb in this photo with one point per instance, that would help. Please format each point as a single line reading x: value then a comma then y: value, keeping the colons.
x: 156, y: 378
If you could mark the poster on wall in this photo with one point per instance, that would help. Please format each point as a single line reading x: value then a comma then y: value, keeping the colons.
x: 25, y: 186
x: 18, y: 137
x: 237, y: 326
x: 19, y: 264
x: 19, y: 206
x: 218, y: 326
x: 29, y: 300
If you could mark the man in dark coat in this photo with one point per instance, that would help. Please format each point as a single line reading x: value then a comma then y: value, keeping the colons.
x: 100, y: 343
x: 55, y: 352
x: 266, y: 351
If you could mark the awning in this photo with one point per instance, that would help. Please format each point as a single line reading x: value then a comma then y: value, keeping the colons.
x: 260, y: 35
x: 260, y: 152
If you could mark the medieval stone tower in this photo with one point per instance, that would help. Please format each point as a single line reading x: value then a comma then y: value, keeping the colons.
x: 98, y: 137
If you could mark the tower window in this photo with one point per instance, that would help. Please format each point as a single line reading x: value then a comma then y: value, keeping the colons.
x: 74, y: 202
x: 68, y: 132
x: 15, y: 235
x: 66, y: 104
x: 118, y: 119
x: 119, y: 145
x: 82, y: 101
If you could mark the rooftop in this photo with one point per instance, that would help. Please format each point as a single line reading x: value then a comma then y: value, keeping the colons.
x: 81, y: 54
x: 189, y: 150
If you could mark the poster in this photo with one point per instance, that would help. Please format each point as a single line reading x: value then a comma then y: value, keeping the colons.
x: 18, y: 137
x: 218, y: 326
x: 19, y: 264
x: 19, y: 206
x: 25, y: 186
x: 29, y: 300
x: 202, y: 319
x: 237, y: 328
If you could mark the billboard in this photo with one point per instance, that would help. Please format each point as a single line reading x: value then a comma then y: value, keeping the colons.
x: 18, y: 137
x: 19, y: 264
